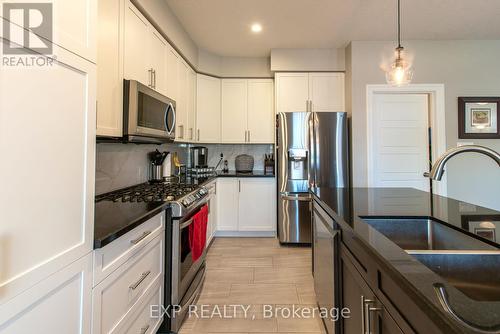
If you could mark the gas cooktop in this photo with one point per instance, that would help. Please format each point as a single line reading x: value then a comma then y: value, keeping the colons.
x: 149, y: 192
x: 182, y: 196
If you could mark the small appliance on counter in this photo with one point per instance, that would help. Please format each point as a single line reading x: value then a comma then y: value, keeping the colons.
x: 269, y: 164
x: 157, y: 158
x: 199, y: 157
x: 244, y: 163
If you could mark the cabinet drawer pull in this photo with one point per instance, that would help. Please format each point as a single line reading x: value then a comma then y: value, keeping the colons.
x: 144, y: 329
x: 143, y: 277
x: 142, y: 236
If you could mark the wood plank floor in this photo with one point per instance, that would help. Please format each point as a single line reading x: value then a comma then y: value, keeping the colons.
x: 256, y: 273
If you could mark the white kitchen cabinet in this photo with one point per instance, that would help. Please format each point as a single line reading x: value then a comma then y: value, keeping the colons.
x: 53, y: 226
x: 181, y: 116
x: 191, y: 105
x: 326, y: 91
x: 247, y: 111
x: 60, y: 303
x: 145, y: 51
x: 158, y: 61
x: 257, y: 204
x: 320, y: 92
x: 136, y: 46
x: 113, y: 255
x: 212, y: 211
x: 118, y: 295
x: 110, y: 69
x: 172, y: 72
x: 292, y: 92
x: 246, y: 205
x: 261, y: 116
x: 227, y: 204
x: 208, y: 109
x: 234, y: 110
x: 74, y: 25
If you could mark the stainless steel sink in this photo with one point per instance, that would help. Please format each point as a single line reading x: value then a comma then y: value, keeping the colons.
x: 477, y: 275
x: 425, y: 234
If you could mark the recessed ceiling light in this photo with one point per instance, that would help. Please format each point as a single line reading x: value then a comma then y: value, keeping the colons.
x: 256, y: 27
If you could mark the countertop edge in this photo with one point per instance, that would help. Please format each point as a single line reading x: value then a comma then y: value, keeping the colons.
x: 101, y: 242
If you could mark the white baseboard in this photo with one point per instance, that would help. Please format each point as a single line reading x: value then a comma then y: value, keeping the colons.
x: 246, y: 234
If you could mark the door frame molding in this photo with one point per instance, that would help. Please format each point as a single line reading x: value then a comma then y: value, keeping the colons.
x: 436, y: 122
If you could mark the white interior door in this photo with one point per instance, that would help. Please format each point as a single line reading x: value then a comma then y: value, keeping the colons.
x: 399, y: 141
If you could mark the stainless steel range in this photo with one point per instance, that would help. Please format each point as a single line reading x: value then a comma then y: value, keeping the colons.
x: 185, y: 199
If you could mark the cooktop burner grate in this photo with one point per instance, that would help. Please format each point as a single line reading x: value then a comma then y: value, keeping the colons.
x: 149, y: 192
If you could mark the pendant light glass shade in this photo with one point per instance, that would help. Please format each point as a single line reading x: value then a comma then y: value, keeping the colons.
x: 400, y: 72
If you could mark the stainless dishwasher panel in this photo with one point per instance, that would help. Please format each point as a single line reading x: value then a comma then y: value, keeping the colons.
x: 294, y: 218
x: 325, y: 256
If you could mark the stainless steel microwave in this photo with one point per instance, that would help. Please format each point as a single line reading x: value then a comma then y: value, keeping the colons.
x: 148, y: 116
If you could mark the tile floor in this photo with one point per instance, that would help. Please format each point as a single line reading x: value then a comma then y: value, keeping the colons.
x: 255, y: 273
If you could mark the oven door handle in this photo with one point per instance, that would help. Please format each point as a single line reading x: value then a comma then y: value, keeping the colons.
x: 186, y: 223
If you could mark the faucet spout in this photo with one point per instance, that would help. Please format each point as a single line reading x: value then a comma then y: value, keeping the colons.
x: 437, y: 170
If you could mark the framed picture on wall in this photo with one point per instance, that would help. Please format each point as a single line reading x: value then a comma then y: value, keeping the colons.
x: 478, y: 117
x: 485, y: 226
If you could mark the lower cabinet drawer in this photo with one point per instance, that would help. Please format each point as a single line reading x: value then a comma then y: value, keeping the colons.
x: 110, y: 257
x: 143, y: 321
x: 115, y: 297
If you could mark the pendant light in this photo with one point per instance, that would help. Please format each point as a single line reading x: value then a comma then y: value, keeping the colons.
x: 400, y: 72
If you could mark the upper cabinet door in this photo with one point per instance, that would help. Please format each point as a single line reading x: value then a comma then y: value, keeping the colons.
x: 326, y: 91
x: 182, y: 101
x: 234, y: 110
x: 158, y: 61
x: 110, y: 69
x: 208, y: 109
x: 292, y: 92
x: 75, y: 26
x: 137, y: 40
x: 191, y: 104
x: 261, y: 116
x: 172, y: 70
x: 54, y: 109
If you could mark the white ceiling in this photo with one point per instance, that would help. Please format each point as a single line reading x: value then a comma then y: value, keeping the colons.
x: 223, y: 26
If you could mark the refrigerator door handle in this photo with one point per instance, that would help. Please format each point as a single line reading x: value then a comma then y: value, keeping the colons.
x: 312, y: 152
x: 296, y: 198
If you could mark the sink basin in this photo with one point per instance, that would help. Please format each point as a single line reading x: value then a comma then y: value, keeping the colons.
x: 476, y: 275
x: 425, y: 234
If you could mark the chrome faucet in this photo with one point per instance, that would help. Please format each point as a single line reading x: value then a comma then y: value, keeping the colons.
x: 437, y: 170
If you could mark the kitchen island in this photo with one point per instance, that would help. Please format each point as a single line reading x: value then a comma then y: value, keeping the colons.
x: 409, y: 262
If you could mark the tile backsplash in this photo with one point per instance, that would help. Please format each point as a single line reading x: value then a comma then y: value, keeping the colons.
x: 123, y: 165
x: 231, y: 151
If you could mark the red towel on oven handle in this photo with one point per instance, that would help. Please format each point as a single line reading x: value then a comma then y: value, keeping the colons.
x: 198, y: 233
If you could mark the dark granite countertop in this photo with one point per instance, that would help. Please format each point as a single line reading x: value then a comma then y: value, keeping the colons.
x: 114, y: 219
x: 348, y: 206
x: 233, y: 173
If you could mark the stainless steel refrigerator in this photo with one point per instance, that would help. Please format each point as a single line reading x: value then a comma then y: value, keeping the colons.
x: 312, y: 151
